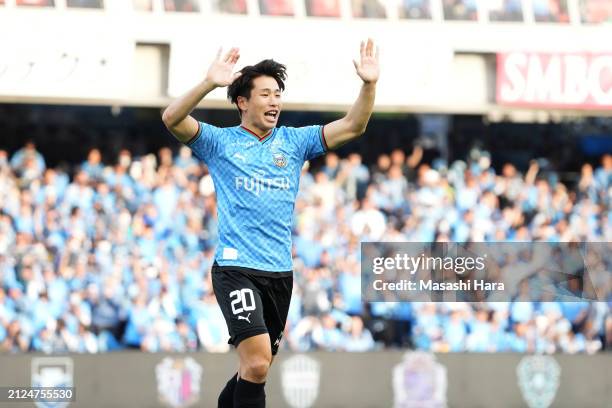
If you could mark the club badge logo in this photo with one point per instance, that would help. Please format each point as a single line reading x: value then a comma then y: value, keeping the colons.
x: 538, y: 378
x: 419, y: 381
x: 56, y: 372
x: 178, y: 381
x: 300, y: 377
x: 280, y: 160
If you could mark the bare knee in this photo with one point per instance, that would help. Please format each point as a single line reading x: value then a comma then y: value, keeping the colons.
x: 255, y: 358
x: 255, y: 368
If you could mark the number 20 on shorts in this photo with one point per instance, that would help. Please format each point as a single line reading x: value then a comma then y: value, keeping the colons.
x: 244, y: 300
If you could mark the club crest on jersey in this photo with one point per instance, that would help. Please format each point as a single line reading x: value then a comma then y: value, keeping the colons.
x: 280, y: 160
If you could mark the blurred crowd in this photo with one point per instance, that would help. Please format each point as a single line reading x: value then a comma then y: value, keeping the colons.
x: 505, y: 10
x: 415, y: 9
x: 118, y: 255
x: 596, y: 11
x: 556, y: 11
x: 51, y: 3
x: 460, y: 10
x: 219, y: 6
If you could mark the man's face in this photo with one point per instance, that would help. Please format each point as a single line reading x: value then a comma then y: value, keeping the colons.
x: 263, y: 108
x: 94, y: 156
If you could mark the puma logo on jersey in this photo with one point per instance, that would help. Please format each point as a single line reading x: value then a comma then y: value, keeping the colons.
x: 239, y: 156
x: 240, y: 317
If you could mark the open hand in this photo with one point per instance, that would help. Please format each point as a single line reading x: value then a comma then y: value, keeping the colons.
x: 368, y: 67
x: 220, y: 72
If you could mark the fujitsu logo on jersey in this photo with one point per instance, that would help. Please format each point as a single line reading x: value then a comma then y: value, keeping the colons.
x: 259, y: 183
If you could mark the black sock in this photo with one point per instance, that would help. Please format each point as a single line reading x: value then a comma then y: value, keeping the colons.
x: 249, y: 394
x: 226, y: 398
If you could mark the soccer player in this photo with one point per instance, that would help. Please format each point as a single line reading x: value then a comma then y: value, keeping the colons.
x: 256, y: 169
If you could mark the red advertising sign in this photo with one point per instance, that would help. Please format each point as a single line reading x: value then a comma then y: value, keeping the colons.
x: 561, y: 80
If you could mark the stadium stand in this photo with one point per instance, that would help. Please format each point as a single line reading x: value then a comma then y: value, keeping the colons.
x: 543, y: 11
x: 117, y: 255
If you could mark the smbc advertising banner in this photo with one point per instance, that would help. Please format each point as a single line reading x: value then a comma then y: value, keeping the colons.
x: 318, y: 379
x: 571, y: 80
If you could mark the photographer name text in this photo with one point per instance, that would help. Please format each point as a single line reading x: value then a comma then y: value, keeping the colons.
x: 431, y: 285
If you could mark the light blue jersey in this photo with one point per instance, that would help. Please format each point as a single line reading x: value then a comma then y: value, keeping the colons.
x: 256, y: 182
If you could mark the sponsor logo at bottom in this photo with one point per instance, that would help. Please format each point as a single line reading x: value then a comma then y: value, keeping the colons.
x: 419, y: 381
x: 538, y: 378
x: 178, y: 381
x: 55, y: 372
x: 300, y: 376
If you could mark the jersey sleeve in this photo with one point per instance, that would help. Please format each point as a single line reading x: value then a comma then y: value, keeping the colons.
x: 205, y: 143
x: 311, y: 141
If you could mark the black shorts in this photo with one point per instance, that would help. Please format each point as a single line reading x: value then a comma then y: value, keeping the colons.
x: 253, y: 302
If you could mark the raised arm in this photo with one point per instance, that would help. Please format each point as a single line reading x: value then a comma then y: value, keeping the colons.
x: 354, y: 123
x: 177, y: 116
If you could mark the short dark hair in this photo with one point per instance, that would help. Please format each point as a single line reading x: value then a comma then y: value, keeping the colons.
x: 244, y: 84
